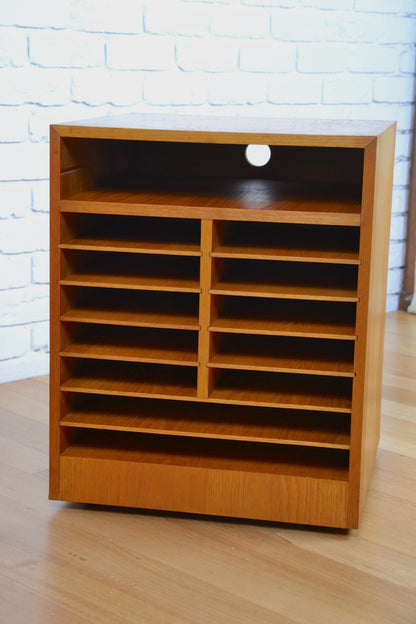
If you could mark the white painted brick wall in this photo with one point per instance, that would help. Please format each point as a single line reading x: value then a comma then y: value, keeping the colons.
x: 75, y: 59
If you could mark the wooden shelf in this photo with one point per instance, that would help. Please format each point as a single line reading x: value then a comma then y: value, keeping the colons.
x: 320, y: 244
x: 283, y: 390
x: 252, y: 200
x: 123, y: 379
x: 286, y: 281
x: 285, y: 318
x: 216, y: 327
x: 127, y: 234
x: 199, y: 420
x: 218, y: 454
x: 134, y: 309
x: 316, y: 357
x: 134, y: 345
x: 108, y: 271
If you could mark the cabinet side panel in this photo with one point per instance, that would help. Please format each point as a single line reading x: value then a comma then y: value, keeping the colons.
x: 375, y: 230
x: 377, y: 304
x: 54, y: 376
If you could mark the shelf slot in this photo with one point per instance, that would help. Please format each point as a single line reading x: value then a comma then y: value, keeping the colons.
x: 245, y: 199
x: 283, y: 390
x: 286, y: 280
x: 217, y: 454
x: 131, y: 234
x: 269, y: 353
x: 127, y: 379
x: 199, y: 420
x: 131, y: 344
x: 123, y: 270
x: 132, y: 308
x: 297, y: 243
x: 310, y: 319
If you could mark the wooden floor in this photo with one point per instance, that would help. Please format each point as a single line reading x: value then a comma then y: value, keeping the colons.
x: 73, y: 564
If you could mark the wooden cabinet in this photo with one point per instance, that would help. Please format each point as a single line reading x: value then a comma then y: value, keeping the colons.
x: 217, y: 327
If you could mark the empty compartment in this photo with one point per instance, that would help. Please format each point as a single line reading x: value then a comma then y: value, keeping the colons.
x: 132, y: 177
x: 289, y: 280
x: 130, y: 308
x: 129, y: 379
x: 314, y: 392
x: 205, y: 420
x: 124, y: 270
x: 274, y: 241
x: 134, y: 344
x: 298, y: 355
x: 313, y: 319
x: 154, y: 235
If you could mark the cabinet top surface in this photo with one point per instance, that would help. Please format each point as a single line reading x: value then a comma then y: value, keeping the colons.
x: 190, y: 128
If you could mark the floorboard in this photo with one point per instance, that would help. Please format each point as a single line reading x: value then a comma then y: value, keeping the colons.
x: 77, y: 564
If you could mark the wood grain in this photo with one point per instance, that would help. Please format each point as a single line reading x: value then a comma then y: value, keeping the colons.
x: 252, y: 200
x: 210, y: 421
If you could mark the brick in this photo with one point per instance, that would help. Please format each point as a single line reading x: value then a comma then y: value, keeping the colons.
x: 123, y: 16
x: 347, y: 27
x: 372, y: 58
x: 404, y: 116
x: 13, y: 47
x: 403, y: 145
x: 29, y: 365
x: 14, y: 272
x: 322, y: 58
x: 394, y: 90
x: 282, y: 4
x: 408, y: 62
x: 15, y: 199
x: 237, y: 21
x: 24, y: 235
x: 14, y: 125
x: 14, y: 341
x: 237, y: 89
x: 177, y: 18
x: 267, y: 56
x: 40, y: 196
x: 23, y: 305
x: 400, y: 200
x: 330, y: 5
x: 41, y: 14
x: 301, y: 25
x: 33, y: 85
x: 40, y: 337
x: 295, y: 89
x: 41, y: 118
x: 378, y: 6
x: 347, y: 90
x: 397, y: 253
x: 100, y: 86
x: 401, y: 176
x: 40, y: 267
x: 24, y: 161
x: 398, y: 229
x: 146, y: 52
x: 175, y: 89
x: 70, y: 49
x: 394, y: 280
x: 211, y: 55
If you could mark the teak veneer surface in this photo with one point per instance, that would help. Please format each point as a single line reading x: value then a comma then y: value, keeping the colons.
x: 306, y: 237
x: 207, y: 421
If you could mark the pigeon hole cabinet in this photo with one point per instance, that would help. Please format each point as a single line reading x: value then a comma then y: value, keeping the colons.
x: 217, y: 327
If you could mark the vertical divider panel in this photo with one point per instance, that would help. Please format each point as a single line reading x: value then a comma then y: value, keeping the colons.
x: 204, y: 373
